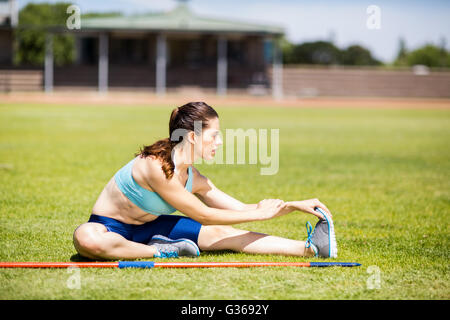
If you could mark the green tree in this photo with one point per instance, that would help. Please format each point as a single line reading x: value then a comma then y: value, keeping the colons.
x: 429, y: 55
x: 286, y: 50
x: 326, y: 53
x: 356, y: 55
x: 402, y: 53
x: 318, y: 52
x: 101, y: 14
x: 30, y: 34
x: 402, y: 50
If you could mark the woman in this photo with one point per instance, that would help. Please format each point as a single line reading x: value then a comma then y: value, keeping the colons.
x: 131, y: 218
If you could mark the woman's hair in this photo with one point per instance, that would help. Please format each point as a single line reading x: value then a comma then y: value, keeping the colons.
x: 181, y: 118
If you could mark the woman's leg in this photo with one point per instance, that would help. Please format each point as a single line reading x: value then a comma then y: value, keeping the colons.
x: 92, y: 240
x: 229, y: 238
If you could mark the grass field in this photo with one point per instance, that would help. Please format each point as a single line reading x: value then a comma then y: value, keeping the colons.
x: 383, y: 173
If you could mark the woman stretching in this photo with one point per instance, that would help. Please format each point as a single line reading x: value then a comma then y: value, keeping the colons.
x: 131, y: 218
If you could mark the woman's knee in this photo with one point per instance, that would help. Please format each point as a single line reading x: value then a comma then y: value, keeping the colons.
x: 211, y: 236
x: 87, y: 240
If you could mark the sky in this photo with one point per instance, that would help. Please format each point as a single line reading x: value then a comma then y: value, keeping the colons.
x: 345, y: 22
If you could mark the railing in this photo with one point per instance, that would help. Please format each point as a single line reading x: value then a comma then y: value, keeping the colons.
x: 20, y: 80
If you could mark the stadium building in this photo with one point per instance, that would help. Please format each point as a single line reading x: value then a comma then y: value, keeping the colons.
x: 170, y: 51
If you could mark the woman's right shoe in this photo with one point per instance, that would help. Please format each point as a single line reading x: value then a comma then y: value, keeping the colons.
x: 322, y: 239
x: 169, y: 248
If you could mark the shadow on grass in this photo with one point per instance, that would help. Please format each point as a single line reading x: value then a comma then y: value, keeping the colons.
x: 79, y: 258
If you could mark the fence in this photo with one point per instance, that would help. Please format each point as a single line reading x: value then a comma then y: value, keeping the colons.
x: 297, y: 81
x: 365, y: 82
x: 21, y: 80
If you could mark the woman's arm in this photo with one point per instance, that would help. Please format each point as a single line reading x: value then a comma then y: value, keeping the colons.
x: 250, y: 206
x: 306, y: 206
x: 210, y: 195
x: 216, y: 198
x: 233, y: 213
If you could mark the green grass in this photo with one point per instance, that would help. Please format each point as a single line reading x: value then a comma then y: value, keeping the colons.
x: 384, y: 174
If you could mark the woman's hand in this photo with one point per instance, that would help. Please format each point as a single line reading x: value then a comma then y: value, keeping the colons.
x: 271, y: 208
x: 308, y: 207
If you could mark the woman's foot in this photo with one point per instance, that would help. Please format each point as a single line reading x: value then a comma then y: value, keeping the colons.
x: 322, y: 240
x: 169, y: 248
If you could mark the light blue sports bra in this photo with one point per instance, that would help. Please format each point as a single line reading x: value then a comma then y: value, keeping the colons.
x: 147, y: 200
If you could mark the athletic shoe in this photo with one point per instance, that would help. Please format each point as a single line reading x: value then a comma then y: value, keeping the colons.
x: 169, y: 248
x: 322, y: 240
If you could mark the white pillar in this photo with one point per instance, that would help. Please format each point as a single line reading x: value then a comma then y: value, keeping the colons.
x: 222, y: 66
x: 103, y: 62
x: 14, y: 13
x: 277, y: 71
x: 161, y: 52
x: 48, y: 63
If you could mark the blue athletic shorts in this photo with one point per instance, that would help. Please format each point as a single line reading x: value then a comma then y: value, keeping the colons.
x: 171, y: 226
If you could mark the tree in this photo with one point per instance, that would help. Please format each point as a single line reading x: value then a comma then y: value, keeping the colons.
x: 356, y: 55
x: 402, y: 53
x: 326, y: 53
x: 30, y: 34
x: 101, y: 14
x: 319, y: 52
x: 286, y: 50
x: 429, y: 55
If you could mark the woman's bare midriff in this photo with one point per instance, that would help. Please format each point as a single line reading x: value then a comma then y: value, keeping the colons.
x: 112, y: 203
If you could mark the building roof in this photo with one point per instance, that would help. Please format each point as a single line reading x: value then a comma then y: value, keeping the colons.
x: 180, y: 19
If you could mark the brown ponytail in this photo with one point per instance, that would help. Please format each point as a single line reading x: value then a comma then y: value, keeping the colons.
x: 181, y: 118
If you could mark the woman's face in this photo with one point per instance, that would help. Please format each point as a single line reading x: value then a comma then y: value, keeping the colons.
x: 209, y: 140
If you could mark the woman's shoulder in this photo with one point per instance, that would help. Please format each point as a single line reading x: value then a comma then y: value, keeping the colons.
x: 149, y: 169
x: 150, y: 161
